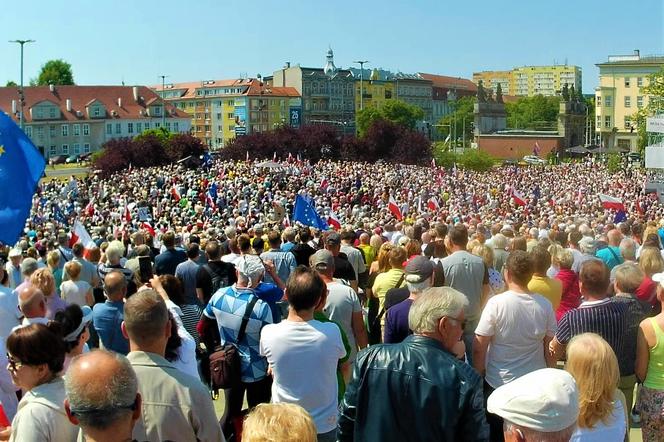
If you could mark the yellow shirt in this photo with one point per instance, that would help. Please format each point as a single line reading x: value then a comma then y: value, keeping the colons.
x: 551, y: 289
x: 386, y: 281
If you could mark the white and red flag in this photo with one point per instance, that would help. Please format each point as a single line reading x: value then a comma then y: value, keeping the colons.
x: 333, y: 220
x: 79, y: 234
x: 518, y: 197
x: 393, y: 207
x: 175, y: 194
x: 432, y: 204
x: 610, y: 202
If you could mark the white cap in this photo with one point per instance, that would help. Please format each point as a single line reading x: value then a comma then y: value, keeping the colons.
x: 658, y: 277
x: 15, y: 252
x: 544, y: 400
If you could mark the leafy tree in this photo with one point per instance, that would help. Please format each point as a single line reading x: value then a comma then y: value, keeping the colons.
x: 463, y: 113
x: 443, y: 155
x: 614, y: 163
x: 655, y: 92
x: 57, y: 72
x: 395, y: 111
x: 538, y: 112
x: 11, y: 83
x: 181, y: 146
x: 475, y: 159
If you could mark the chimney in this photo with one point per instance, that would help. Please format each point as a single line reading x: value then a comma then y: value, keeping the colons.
x: 68, y: 101
x: 119, y: 102
x: 13, y: 106
x: 287, y: 64
x: 135, y: 91
x: 51, y: 87
x: 637, y: 53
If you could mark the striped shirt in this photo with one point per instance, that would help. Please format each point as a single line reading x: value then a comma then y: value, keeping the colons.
x: 606, y: 318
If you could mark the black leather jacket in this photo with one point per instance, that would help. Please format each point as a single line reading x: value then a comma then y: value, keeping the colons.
x: 412, y: 391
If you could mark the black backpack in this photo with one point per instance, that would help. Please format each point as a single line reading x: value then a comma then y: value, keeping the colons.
x: 218, y: 280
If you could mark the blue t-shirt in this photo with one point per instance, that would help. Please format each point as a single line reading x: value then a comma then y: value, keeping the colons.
x: 228, y: 307
x: 610, y: 256
x: 106, y: 319
x: 271, y: 294
x: 396, y: 323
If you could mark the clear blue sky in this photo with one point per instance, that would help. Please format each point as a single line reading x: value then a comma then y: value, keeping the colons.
x: 137, y: 40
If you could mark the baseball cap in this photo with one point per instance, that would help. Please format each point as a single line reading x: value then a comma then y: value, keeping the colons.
x: 333, y: 238
x: 322, y: 260
x: 418, y: 269
x: 659, y: 278
x: 545, y: 400
x: 15, y: 252
x: 87, y: 318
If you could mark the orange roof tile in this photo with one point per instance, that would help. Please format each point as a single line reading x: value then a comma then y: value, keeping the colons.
x: 82, y: 96
x: 446, y: 82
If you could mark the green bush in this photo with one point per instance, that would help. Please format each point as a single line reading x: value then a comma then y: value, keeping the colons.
x: 476, y: 160
x: 614, y: 163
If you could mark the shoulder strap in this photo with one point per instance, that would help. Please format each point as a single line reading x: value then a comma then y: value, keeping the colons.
x: 382, y: 310
x: 614, y: 254
x: 403, y: 276
x: 245, y: 318
x: 213, y: 273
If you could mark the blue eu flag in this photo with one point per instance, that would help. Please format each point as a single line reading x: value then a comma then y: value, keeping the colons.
x: 305, y: 213
x: 21, y: 167
x: 213, y: 191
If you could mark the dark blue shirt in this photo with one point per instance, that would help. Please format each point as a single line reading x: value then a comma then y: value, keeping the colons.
x: 166, y: 262
x: 396, y: 322
x: 106, y: 319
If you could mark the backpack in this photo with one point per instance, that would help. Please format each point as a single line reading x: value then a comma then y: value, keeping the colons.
x: 218, y: 280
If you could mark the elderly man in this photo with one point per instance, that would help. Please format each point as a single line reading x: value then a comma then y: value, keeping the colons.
x: 541, y: 406
x: 176, y: 406
x: 107, y: 316
x: 13, y: 268
x: 610, y: 255
x: 439, y: 396
x: 102, y: 396
x: 32, y: 303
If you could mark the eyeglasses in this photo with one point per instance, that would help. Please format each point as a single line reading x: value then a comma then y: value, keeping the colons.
x: 13, y: 363
x: 462, y: 323
x: 103, y: 410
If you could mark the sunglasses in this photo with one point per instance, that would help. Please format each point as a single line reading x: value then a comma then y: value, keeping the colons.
x: 13, y: 363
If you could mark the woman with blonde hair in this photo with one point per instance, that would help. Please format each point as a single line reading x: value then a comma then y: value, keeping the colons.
x: 53, y: 263
x: 651, y: 262
x: 571, y: 295
x: 43, y: 279
x: 282, y: 422
x: 594, y: 366
x: 496, y: 282
x: 75, y: 291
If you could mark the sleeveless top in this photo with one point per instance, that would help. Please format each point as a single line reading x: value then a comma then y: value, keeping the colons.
x: 655, y: 376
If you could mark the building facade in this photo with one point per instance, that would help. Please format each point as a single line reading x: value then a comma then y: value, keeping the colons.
x: 619, y: 96
x: 445, y: 91
x: 415, y: 90
x: 377, y: 88
x: 75, y: 120
x: 220, y: 110
x: 528, y: 81
x: 328, y: 93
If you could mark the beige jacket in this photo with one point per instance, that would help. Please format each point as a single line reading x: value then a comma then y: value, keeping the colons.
x: 175, y: 406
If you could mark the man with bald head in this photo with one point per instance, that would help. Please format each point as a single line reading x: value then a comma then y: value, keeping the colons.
x: 102, y: 396
x: 32, y: 303
x: 107, y: 316
x: 611, y: 255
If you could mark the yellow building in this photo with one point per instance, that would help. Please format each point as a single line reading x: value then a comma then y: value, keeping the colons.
x: 377, y: 88
x: 491, y: 80
x: 618, y: 97
x: 528, y: 81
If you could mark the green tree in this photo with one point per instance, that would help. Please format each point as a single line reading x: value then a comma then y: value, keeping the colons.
x: 538, y: 112
x: 57, y: 72
x: 655, y: 92
x: 11, y: 83
x: 475, y: 159
x: 395, y: 111
x: 462, y: 114
x: 614, y: 163
x: 443, y: 155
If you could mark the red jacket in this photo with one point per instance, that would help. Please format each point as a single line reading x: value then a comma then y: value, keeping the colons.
x: 571, y: 297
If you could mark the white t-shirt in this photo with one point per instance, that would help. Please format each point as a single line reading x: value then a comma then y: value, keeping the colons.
x: 614, y: 430
x: 74, y: 292
x: 342, y: 302
x: 517, y: 324
x: 9, y: 312
x: 304, y: 357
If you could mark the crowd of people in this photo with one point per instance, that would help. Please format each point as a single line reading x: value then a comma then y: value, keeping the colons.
x: 499, y: 305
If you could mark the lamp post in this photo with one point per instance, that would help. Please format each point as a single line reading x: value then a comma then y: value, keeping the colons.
x: 163, y: 100
x: 22, y: 43
x: 361, y: 63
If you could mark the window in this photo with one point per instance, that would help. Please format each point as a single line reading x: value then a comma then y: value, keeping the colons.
x: 52, y: 150
x: 109, y: 129
x: 157, y: 125
x: 40, y: 131
x: 168, y: 126
x: 639, y: 101
x: 96, y: 112
x: 51, y: 112
x: 607, y: 121
x: 38, y: 113
x: 157, y: 110
x: 607, y: 101
x: 639, y: 81
x: 231, y: 115
x: 65, y: 149
x: 86, y: 129
x: 599, y: 121
x: 28, y: 131
x: 77, y: 148
x: 118, y: 128
x: 231, y: 127
x: 627, y: 122
x: 147, y: 126
x: 86, y: 148
x: 628, y: 101
x: 130, y: 128
x: 65, y: 130
x: 598, y: 100
x: 176, y: 127
x: 138, y: 128
x: 626, y: 81
x: 77, y: 130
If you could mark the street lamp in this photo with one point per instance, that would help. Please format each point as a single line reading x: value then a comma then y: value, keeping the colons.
x: 21, y: 42
x: 361, y: 63
x: 163, y: 100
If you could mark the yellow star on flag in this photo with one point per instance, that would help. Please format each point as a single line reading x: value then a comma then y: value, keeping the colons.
x: 2, y: 149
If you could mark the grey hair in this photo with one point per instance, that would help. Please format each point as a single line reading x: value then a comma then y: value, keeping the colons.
x: 418, y: 287
x: 628, y: 276
x: 433, y: 304
x: 499, y: 241
x: 110, y: 403
x: 114, y: 251
x: 628, y: 249
x: 531, y: 435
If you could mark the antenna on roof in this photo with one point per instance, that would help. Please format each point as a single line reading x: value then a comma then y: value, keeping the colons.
x: 122, y: 80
